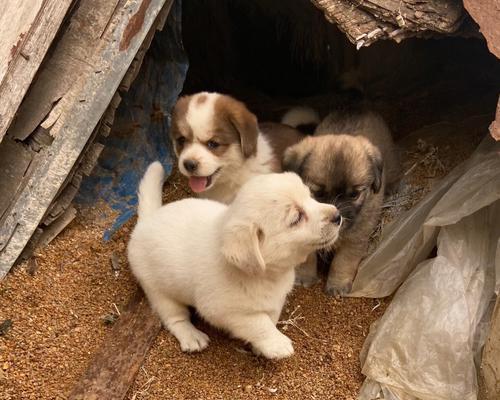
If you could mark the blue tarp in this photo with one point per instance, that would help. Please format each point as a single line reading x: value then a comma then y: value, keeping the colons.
x: 140, y: 131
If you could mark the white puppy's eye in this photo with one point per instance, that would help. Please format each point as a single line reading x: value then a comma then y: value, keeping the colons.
x: 298, y: 217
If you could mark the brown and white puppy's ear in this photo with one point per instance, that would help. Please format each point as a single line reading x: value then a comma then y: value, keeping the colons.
x: 296, y: 156
x: 244, y: 122
x: 180, y: 129
x: 377, y: 166
x: 241, y: 247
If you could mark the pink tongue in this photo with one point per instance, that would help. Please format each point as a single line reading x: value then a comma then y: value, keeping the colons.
x: 198, y: 183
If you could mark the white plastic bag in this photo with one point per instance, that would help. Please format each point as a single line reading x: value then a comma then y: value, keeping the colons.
x: 425, y: 344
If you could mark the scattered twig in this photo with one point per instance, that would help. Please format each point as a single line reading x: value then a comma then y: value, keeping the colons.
x: 116, y: 309
x: 145, y: 386
x: 293, y: 320
x: 422, y: 160
x: 376, y: 305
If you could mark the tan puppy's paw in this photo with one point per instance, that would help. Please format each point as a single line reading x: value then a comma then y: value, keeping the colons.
x: 306, y: 274
x: 305, y: 280
x: 338, y: 288
x: 274, y: 347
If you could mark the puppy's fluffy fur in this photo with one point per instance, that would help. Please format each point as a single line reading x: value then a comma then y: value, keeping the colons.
x: 234, y: 264
x: 220, y: 144
x: 349, y: 162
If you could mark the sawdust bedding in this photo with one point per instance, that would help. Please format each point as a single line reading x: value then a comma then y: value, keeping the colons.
x: 57, y: 309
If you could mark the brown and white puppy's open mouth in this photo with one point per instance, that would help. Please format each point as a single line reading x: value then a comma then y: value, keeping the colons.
x: 349, y: 163
x: 220, y: 145
x: 199, y: 184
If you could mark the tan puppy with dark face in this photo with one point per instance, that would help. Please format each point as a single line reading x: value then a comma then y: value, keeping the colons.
x: 220, y: 144
x: 349, y: 163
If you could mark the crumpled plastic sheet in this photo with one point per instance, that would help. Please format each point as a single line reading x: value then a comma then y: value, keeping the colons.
x: 427, y: 344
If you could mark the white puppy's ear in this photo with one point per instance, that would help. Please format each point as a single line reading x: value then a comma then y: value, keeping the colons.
x: 241, y: 247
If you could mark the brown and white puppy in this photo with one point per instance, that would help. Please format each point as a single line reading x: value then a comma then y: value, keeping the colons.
x: 220, y: 144
x: 349, y: 162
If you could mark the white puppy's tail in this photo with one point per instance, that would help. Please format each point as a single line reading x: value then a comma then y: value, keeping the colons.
x: 150, y: 190
x: 300, y: 116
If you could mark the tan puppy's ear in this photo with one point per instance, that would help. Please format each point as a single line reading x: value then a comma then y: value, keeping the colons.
x: 377, y: 165
x: 241, y: 247
x: 295, y: 157
x: 245, y: 123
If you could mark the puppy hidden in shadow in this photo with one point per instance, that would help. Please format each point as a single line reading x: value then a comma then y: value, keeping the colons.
x: 234, y: 264
x: 349, y: 162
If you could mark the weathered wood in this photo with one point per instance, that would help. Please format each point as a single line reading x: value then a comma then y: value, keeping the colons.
x: 90, y: 158
x: 72, y: 57
x: 115, y: 366
x: 358, y: 25
x: 16, y: 19
x: 366, y: 21
x: 490, y: 365
x: 56, y: 227
x: 63, y: 200
x: 487, y: 14
x: 436, y: 15
x: 27, y: 29
x: 495, y: 126
x: 15, y: 160
x: 82, y: 105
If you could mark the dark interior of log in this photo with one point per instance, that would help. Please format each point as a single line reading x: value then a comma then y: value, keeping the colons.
x: 276, y: 54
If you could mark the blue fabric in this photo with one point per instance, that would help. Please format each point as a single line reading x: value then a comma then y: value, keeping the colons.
x: 140, y: 131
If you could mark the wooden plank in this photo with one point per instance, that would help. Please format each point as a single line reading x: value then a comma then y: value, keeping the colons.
x: 82, y: 109
x: 367, y: 21
x: 16, y: 19
x: 14, y: 162
x: 360, y: 27
x: 443, y: 16
x: 55, y: 228
x: 495, y: 126
x: 490, y: 365
x: 115, y: 366
x: 71, y: 58
x: 487, y: 14
x: 32, y: 25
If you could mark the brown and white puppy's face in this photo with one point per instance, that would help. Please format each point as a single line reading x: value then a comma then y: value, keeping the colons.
x: 274, y: 224
x: 343, y: 170
x: 212, y: 135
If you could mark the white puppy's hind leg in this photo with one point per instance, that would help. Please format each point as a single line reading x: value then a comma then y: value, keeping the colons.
x: 262, y: 334
x: 175, y: 318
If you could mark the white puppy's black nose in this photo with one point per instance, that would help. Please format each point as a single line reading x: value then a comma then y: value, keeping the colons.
x: 336, y: 218
x: 190, y: 165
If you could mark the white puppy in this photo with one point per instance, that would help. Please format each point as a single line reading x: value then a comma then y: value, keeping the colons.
x: 234, y: 264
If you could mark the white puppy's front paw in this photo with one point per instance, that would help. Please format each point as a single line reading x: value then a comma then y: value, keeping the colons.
x: 275, y: 347
x: 193, y: 340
